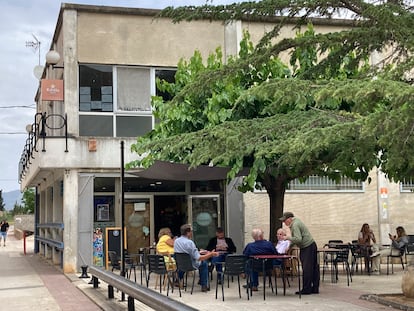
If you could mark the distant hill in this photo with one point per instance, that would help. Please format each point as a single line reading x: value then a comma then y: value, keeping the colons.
x: 11, y: 197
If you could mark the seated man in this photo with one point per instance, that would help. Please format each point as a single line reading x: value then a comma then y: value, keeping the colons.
x: 184, y: 244
x: 223, y: 245
x: 260, y: 246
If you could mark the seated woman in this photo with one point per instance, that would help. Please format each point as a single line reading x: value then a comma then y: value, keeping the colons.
x: 398, y: 242
x: 165, y: 246
x: 282, y: 245
x: 366, y: 242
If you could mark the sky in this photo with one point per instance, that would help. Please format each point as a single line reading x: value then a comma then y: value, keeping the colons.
x: 22, y: 22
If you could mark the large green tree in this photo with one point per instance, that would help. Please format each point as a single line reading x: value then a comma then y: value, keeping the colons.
x: 329, y: 114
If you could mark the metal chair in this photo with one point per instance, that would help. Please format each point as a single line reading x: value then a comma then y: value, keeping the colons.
x: 256, y: 265
x: 185, y: 265
x: 234, y: 265
x: 400, y: 255
x: 342, y: 257
x: 114, y: 261
x: 156, y: 264
x: 356, y: 256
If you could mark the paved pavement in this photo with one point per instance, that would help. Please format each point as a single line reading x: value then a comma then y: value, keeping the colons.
x: 28, y: 281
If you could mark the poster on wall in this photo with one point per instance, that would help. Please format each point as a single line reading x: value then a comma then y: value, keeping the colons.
x: 98, y: 250
x: 102, y: 212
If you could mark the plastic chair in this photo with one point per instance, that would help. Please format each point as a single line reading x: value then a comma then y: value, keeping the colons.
x: 185, y: 265
x: 156, y: 264
x: 233, y: 266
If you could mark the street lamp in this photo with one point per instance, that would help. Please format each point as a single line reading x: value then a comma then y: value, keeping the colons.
x: 52, y: 58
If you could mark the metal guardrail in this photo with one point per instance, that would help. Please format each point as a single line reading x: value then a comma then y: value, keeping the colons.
x: 145, y: 295
x: 50, y: 225
x: 58, y: 244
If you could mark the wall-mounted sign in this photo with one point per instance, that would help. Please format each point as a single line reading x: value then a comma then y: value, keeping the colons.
x: 52, y: 89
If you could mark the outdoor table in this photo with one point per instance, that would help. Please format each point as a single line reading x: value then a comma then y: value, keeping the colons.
x: 331, y: 251
x: 283, y: 257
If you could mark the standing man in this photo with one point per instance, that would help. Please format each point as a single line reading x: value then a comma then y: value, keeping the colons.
x: 223, y: 245
x: 4, y: 227
x: 184, y: 244
x: 308, y: 253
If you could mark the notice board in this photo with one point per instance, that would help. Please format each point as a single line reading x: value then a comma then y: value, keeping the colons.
x: 112, y: 242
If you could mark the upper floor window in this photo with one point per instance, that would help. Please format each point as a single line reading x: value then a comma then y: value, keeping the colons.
x: 115, y: 101
x: 407, y: 185
x: 323, y: 183
x: 95, y: 88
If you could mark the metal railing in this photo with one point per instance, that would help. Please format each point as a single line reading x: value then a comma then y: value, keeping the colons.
x: 44, y: 126
x: 145, y: 295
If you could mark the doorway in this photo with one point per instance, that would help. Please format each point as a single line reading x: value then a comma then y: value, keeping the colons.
x: 170, y: 211
x: 137, y: 222
x: 205, y: 217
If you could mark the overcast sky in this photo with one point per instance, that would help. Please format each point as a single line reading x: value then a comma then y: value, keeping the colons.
x: 20, y: 20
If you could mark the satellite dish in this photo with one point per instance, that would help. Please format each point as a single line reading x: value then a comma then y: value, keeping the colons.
x: 38, y: 71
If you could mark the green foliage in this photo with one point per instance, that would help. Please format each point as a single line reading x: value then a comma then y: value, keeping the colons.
x: 332, y: 112
x: 2, y: 204
x: 28, y: 201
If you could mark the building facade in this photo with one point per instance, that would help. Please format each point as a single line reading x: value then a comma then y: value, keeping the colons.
x: 109, y: 61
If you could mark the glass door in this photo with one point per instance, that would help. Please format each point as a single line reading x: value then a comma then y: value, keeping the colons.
x: 138, y: 222
x: 204, y: 212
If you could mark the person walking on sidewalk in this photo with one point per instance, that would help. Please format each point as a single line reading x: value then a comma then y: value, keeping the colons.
x: 308, y: 253
x: 4, y: 227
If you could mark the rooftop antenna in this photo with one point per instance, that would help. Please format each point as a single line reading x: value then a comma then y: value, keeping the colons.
x: 35, y: 45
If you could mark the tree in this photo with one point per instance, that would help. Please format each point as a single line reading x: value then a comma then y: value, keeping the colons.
x: 332, y: 115
x: 28, y: 201
x: 2, y: 204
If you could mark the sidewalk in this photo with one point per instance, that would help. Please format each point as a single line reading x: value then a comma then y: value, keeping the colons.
x: 29, y: 282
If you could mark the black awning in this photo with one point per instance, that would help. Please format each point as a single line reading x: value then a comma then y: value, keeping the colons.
x: 182, y: 172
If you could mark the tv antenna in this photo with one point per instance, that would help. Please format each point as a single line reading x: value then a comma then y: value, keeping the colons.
x: 35, y: 45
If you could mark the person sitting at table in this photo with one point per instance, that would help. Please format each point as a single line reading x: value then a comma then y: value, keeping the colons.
x: 367, y: 243
x: 184, y: 244
x: 260, y: 246
x: 398, y: 242
x: 223, y: 245
x: 165, y: 246
x: 283, y: 245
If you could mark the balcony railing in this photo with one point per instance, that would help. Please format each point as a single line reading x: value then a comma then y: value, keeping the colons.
x: 44, y: 126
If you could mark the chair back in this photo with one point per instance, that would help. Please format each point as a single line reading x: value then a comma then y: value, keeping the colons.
x: 156, y: 264
x: 343, y: 254
x: 235, y: 264
x: 334, y: 243
x: 256, y: 265
x: 410, y: 245
x: 184, y: 262
x: 113, y: 259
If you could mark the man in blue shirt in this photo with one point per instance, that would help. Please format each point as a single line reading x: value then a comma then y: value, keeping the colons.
x: 260, y: 246
x: 184, y: 244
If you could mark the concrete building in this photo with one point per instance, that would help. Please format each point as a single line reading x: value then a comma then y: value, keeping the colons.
x: 106, y: 62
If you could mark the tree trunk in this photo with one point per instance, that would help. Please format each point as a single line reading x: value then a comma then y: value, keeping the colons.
x: 276, y: 188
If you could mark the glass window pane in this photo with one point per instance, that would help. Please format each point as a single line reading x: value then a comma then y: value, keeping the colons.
x: 95, y: 88
x: 167, y: 75
x: 96, y: 126
x: 134, y: 89
x: 133, y: 126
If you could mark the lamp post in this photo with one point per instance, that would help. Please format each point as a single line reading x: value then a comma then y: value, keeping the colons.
x: 52, y: 58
